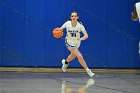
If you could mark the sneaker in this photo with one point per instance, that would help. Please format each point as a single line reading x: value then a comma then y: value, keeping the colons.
x: 64, y: 67
x: 91, y: 74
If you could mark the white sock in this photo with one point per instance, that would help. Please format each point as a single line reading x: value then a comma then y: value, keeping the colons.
x: 87, y: 69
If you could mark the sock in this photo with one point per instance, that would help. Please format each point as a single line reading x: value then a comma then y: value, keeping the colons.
x: 87, y: 69
x: 66, y: 62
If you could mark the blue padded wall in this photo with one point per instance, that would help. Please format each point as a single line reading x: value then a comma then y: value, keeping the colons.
x: 26, y: 33
x: 34, y: 38
x: 1, y: 31
x: 55, y: 17
x: 13, y: 33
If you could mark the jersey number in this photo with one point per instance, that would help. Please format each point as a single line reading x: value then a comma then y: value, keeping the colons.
x: 73, y: 34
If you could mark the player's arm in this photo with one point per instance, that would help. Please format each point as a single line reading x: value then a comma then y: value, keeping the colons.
x: 134, y: 15
x: 63, y: 26
x: 85, y: 35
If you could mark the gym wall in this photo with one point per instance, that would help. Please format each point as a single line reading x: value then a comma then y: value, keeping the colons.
x: 26, y: 33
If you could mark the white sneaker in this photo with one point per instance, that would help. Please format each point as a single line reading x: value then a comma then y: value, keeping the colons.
x: 91, y: 74
x: 64, y: 67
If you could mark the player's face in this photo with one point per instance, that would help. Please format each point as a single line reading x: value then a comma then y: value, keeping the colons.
x: 74, y: 17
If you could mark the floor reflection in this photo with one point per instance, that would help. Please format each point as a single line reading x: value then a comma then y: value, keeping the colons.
x: 68, y: 88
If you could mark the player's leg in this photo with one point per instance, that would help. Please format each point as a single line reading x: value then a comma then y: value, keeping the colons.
x: 70, y: 57
x: 80, y: 58
x: 66, y: 62
x: 82, y: 61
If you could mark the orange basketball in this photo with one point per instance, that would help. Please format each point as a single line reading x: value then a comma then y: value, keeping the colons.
x: 57, y: 33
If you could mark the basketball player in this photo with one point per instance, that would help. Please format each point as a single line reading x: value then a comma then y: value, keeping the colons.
x: 136, y: 16
x: 73, y: 40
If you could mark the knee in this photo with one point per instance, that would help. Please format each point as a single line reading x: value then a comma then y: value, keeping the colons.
x: 72, y: 55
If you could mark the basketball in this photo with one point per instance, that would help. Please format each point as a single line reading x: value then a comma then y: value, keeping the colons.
x: 57, y: 33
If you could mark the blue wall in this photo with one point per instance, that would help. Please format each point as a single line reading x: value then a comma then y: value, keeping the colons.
x: 26, y: 33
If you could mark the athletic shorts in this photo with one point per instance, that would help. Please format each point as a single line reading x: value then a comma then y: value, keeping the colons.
x: 72, y: 43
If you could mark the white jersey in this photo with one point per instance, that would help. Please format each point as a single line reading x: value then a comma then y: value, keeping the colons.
x: 73, y: 33
x: 138, y: 12
x: 138, y: 9
x: 139, y: 47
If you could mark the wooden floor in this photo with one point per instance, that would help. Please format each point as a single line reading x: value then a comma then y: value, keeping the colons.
x: 68, y: 70
x: 68, y: 82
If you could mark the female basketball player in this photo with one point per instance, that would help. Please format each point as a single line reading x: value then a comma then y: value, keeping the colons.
x: 73, y: 40
x: 136, y: 16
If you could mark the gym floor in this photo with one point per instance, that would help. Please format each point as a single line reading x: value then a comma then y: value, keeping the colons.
x: 68, y: 82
